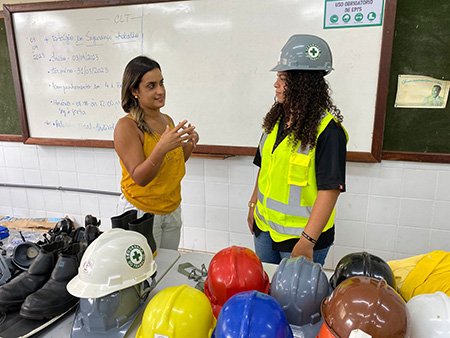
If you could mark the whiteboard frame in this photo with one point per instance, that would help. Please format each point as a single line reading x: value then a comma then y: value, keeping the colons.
x: 214, y: 150
x: 9, y: 137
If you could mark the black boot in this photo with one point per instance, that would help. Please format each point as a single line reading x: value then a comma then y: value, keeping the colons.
x: 89, y: 233
x: 13, y: 293
x: 91, y: 220
x: 53, y: 299
x: 144, y: 226
x: 63, y: 228
x: 122, y: 221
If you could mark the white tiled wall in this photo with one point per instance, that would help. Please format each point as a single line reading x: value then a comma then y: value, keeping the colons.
x: 392, y: 209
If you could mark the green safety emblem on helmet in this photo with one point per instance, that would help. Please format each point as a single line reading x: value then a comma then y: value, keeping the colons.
x: 313, y: 52
x: 135, y: 256
x: 305, y: 52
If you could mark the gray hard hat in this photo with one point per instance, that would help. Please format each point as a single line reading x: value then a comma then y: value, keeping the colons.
x: 300, y: 285
x: 305, y: 52
x: 110, y: 316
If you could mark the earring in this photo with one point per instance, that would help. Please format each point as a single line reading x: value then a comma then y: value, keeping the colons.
x: 136, y: 97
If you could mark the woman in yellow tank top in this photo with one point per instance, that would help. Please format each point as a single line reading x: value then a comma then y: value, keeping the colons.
x: 152, y: 152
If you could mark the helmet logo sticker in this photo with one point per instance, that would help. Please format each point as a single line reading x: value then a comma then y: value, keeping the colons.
x: 313, y: 52
x: 88, y: 266
x: 135, y: 256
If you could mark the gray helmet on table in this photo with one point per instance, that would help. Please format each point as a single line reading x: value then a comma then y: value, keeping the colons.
x: 305, y: 52
x: 300, y: 285
x: 110, y: 316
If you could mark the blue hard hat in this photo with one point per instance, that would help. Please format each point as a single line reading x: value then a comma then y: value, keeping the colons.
x: 252, y: 314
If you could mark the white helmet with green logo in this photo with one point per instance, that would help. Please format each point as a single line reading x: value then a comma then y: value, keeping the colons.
x: 116, y: 260
x: 304, y: 52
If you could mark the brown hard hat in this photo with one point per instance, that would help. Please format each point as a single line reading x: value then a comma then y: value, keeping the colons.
x: 368, y: 304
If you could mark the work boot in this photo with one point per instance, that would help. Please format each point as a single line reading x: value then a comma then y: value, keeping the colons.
x: 91, y: 233
x: 144, y: 226
x: 13, y: 293
x: 122, y: 221
x: 87, y: 234
x: 53, y: 299
x: 64, y: 227
x: 91, y: 220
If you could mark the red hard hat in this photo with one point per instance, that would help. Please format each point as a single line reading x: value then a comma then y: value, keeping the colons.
x: 233, y: 270
x: 325, y: 332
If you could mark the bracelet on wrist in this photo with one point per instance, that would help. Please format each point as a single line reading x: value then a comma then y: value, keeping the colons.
x: 309, y: 238
x: 251, y: 204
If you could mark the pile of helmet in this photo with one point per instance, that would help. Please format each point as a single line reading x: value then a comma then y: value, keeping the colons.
x: 292, y: 301
x: 112, y: 283
x: 364, y: 302
x: 301, y: 301
x: 237, y: 288
x: 237, y: 294
x: 184, y: 311
x: 359, y: 300
x: 38, y: 285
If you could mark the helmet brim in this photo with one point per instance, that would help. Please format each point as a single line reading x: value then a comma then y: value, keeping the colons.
x: 285, y: 68
x: 81, y: 289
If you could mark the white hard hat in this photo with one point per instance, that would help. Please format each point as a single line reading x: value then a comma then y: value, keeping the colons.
x: 116, y: 260
x: 429, y: 316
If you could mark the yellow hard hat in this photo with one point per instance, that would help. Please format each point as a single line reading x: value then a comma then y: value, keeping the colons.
x: 178, y: 312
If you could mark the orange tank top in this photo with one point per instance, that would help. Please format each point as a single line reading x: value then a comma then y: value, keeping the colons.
x: 163, y: 194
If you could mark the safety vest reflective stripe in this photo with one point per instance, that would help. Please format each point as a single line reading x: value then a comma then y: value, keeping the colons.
x: 279, y: 228
x: 261, y: 143
x: 293, y: 208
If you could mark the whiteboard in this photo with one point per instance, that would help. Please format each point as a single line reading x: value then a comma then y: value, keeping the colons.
x: 215, y: 56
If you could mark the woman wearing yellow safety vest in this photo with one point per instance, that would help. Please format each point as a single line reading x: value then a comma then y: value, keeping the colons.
x: 301, y: 156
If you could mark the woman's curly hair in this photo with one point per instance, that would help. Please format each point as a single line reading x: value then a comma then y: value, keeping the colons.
x: 307, y: 96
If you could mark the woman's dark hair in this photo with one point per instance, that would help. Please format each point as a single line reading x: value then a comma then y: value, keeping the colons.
x: 132, y: 76
x: 307, y: 97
